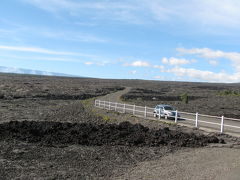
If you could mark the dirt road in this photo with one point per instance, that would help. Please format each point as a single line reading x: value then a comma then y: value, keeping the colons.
x: 115, y: 97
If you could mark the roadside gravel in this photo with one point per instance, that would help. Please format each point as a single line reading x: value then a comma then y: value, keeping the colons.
x: 197, y: 164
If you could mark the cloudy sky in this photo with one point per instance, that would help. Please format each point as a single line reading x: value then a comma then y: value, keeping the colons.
x: 182, y: 40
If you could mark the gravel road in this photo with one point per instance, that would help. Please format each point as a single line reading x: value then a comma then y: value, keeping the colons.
x: 202, y: 163
x: 115, y: 97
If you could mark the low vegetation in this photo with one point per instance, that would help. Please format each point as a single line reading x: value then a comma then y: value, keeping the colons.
x: 229, y: 93
x: 184, y: 98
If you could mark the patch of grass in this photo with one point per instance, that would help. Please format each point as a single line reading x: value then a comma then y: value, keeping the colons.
x: 88, y: 102
x: 184, y: 98
x: 229, y: 93
x: 106, y: 118
x: 116, y: 112
x: 170, y: 123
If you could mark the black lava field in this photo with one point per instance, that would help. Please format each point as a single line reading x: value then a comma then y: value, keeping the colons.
x: 127, y: 134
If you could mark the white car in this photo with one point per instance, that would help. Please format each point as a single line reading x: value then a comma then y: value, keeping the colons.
x: 166, y: 111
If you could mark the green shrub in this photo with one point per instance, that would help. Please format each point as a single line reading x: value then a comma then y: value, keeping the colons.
x: 229, y: 93
x: 106, y: 118
x: 184, y: 98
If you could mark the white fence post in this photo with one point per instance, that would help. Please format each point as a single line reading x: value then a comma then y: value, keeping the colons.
x: 116, y: 106
x: 109, y: 105
x: 176, y: 116
x: 196, y: 123
x: 222, y: 124
x: 104, y: 104
x: 145, y: 113
x: 134, y: 108
x: 124, y: 108
x: 159, y: 115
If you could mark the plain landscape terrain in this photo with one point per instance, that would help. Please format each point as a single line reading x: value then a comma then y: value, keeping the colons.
x: 206, y: 98
x: 49, y: 129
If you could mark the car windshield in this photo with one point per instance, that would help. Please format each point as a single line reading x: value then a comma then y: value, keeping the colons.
x: 169, y: 108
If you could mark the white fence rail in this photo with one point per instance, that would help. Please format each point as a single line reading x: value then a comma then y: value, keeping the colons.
x: 217, y: 123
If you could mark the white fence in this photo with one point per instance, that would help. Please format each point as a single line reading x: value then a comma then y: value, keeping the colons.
x: 217, y: 123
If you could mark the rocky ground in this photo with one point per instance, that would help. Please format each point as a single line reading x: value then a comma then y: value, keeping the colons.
x: 91, y: 134
x: 211, y: 99
x: 55, y: 136
x: 90, y: 149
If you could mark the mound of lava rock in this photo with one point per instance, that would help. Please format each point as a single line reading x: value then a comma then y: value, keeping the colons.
x: 127, y: 134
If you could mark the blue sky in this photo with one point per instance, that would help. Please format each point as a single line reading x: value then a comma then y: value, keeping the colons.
x: 179, y: 40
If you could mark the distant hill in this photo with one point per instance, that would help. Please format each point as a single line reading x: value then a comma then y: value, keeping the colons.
x: 30, y: 71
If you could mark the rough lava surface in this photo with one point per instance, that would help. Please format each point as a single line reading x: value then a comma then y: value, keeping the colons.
x: 127, y: 134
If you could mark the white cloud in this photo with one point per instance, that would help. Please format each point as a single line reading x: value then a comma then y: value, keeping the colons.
x: 164, y: 60
x: 70, y: 36
x: 159, y: 77
x: 207, y: 76
x: 5, y: 31
x: 234, y: 57
x: 176, y: 61
x: 102, y: 63
x: 41, y: 58
x: 213, y: 57
x: 133, y: 72
x: 203, y: 52
x: 13, y: 30
x: 159, y: 10
x: 138, y: 64
x: 56, y: 5
x: 51, y: 55
x: 117, y: 10
x: 88, y: 63
x: 213, y: 62
x: 206, y: 12
x: 52, y: 5
x: 159, y: 67
x: 37, y: 50
x: 212, y: 12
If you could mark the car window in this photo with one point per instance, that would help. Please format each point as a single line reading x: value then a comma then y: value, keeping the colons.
x: 169, y: 108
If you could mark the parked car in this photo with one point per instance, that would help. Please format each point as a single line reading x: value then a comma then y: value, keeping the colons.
x: 165, y: 111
